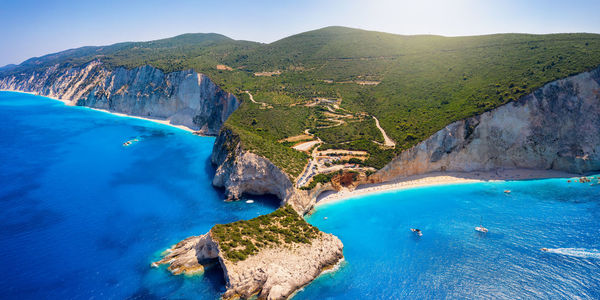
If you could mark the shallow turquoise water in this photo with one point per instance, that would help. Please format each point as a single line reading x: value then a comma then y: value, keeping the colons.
x: 451, y: 260
x: 82, y: 217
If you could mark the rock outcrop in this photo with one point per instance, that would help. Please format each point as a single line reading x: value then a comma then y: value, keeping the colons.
x: 184, y: 98
x: 242, y: 172
x: 191, y: 255
x: 557, y: 127
x: 274, y: 272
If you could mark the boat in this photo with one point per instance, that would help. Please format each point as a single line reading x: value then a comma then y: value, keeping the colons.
x: 480, y: 228
x: 507, y: 191
x: 249, y: 201
x: 128, y: 143
x: 417, y: 231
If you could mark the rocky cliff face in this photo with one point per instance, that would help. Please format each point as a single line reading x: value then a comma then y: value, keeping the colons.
x: 276, y: 273
x: 556, y: 128
x: 273, y: 273
x: 240, y: 171
x: 184, y: 97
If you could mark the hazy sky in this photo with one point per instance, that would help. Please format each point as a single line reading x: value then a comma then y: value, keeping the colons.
x: 33, y: 28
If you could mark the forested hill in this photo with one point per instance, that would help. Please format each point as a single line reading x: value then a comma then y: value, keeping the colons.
x: 334, y: 80
x: 171, y: 54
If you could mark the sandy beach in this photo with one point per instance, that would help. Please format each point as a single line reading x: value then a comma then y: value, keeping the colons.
x: 70, y: 103
x: 441, y: 178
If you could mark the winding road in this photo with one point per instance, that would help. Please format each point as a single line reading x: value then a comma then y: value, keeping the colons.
x: 253, y: 101
x: 386, y: 139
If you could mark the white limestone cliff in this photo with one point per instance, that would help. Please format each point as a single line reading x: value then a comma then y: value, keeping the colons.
x: 183, y: 98
x: 557, y: 127
x: 272, y: 273
x: 242, y: 172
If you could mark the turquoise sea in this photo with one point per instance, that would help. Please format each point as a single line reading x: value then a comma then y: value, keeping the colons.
x: 82, y: 216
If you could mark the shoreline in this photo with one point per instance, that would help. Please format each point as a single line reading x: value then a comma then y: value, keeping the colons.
x: 70, y: 103
x: 440, y: 179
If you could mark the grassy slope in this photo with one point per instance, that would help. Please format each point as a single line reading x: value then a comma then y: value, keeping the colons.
x: 241, y: 239
x: 426, y: 82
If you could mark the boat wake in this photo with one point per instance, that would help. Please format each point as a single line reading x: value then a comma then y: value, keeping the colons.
x: 577, y: 252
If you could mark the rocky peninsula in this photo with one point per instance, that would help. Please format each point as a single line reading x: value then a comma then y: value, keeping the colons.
x: 270, y: 256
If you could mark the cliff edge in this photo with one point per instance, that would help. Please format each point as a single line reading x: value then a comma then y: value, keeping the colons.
x: 557, y: 127
x: 183, y: 98
x: 242, y: 172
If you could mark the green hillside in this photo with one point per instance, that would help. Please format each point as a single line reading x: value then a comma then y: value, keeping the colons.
x: 414, y: 85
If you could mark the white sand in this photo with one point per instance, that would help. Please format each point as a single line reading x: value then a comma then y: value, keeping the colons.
x: 442, y: 179
x: 160, y: 121
x: 70, y: 103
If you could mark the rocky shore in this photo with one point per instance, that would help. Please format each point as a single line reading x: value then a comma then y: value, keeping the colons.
x: 271, y: 270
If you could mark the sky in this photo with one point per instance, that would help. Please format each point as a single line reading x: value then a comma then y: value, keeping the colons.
x: 37, y: 27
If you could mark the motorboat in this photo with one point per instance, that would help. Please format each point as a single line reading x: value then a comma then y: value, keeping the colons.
x: 417, y: 231
x: 128, y: 143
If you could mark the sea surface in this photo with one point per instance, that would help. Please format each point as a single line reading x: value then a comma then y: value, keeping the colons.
x: 385, y: 260
x: 82, y: 217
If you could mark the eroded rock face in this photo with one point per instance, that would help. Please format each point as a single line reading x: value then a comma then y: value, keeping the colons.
x: 276, y: 273
x: 184, y: 97
x: 273, y: 273
x: 190, y: 255
x: 240, y: 171
x: 555, y: 128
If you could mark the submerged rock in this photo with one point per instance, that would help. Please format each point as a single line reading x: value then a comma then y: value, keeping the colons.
x: 271, y: 256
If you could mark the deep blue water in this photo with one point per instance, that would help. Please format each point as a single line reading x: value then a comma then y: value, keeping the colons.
x: 451, y: 260
x: 82, y: 217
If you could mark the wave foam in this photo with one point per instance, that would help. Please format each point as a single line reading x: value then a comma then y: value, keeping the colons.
x: 577, y: 252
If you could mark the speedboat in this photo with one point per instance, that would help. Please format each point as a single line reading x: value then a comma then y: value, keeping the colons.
x: 417, y: 231
x: 507, y: 191
x: 128, y: 143
x: 481, y: 229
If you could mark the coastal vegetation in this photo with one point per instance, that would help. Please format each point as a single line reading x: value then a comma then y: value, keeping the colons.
x: 241, y: 239
x: 332, y: 81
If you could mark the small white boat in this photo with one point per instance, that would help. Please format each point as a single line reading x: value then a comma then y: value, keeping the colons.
x: 481, y: 229
x: 417, y: 231
x: 128, y: 143
x: 249, y: 201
